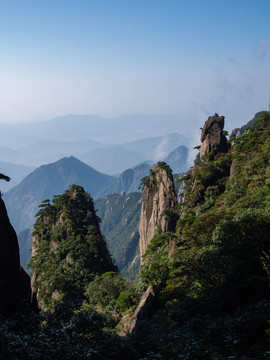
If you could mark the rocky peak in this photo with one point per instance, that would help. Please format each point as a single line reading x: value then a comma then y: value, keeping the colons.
x: 158, y: 195
x: 69, y: 235
x: 212, y: 135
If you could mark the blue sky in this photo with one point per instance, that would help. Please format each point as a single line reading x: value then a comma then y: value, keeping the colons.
x: 112, y: 57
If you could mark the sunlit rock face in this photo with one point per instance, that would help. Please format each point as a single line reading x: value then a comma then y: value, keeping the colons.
x: 157, y: 196
x: 212, y: 135
x: 15, y: 289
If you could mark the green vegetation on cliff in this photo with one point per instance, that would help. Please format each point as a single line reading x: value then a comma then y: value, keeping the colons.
x: 69, y: 250
x: 210, y: 273
x: 217, y: 279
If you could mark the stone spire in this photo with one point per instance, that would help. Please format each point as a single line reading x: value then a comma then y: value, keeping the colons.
x: 158, y: 195
x: 212, y: 135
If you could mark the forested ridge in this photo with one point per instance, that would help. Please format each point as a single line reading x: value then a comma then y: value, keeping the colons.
x: 211, y: 286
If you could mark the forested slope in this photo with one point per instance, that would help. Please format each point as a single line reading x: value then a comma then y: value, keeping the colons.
x: 213, y: 292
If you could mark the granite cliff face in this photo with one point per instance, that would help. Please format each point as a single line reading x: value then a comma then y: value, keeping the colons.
x: 212, y: 135
x: 158, y: 195
x: 15, y: 289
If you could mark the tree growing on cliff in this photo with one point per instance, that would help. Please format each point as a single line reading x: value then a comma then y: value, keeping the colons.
x: 4, y: 177
x: 69, y: 247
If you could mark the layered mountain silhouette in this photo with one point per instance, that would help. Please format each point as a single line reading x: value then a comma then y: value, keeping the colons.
x: 48, y: 180
x: 156, y: 148
x: 178, y: 159
x: 128, y: 181
x: 109, y: 158
x: 105, y: 130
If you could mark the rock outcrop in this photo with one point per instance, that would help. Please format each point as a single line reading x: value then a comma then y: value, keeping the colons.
x: 212, y: 135
x: 158, y: 195
x: 233, y: 168
x: 15, y: 289
x: 131, y: 323
x: 182, y: 191
x: 68, y: 247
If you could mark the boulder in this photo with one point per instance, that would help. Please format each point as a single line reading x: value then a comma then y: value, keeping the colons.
x: 131, y: 323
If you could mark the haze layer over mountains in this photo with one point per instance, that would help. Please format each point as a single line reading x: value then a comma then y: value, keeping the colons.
x: 105, y: 156
x: 109, y: 146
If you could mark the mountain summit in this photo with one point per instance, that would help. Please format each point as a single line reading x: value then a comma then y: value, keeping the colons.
x: 22, y: 201
x: 73, y: 249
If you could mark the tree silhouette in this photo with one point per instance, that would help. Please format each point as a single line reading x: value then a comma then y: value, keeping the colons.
x: 4, y: 177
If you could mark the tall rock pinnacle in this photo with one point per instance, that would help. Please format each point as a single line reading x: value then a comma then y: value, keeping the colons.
x: 212, y: 135
x: 158, y: 195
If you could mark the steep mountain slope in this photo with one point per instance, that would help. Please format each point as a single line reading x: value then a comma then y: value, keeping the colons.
x: 23, y: 200
x: 178, y: 159
x: 211, y: 272
x: 128, y: 181
x: 119, y: 214
x: 73, y: 249
x: 15, y: 172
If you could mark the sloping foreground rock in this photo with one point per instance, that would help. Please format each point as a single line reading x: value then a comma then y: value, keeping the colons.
x: 131, y: 323
x: 15, y: 289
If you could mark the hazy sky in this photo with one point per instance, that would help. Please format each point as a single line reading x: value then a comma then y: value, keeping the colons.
x: 112, y: 57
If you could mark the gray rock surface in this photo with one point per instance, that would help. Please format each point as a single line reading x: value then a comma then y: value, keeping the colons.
x: 157, y: 196
x: 131, y: 323
x: 212, y: 135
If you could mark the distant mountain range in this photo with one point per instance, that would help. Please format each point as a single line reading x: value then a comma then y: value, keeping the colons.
x: 130, y: 179
x: 23, y: 200
x: 117, y: 130
x: 156, y: 148
x: 108, y: 145
x: 178, y: 159
x: 109, y: 159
